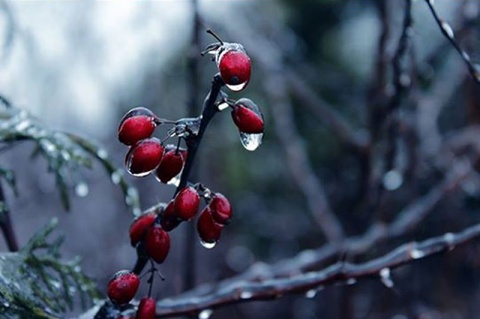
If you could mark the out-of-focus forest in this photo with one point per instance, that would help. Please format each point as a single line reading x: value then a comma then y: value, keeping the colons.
x: 362, y: 200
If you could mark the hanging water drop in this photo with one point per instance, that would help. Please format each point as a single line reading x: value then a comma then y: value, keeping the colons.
x: 246, y: 295
x: 351, y: 281
x: 237, y: 87
x: 311, y: 293
x: 208, y: 245
x: 417, y: 253
x: 205, y: 314
x: 176, y: 180
x: 81, y: 189
x: 251, y: 141
x: 386, y: 278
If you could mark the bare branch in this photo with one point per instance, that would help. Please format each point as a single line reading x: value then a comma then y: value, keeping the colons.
x: 448, y: 33
x: 260, y: 289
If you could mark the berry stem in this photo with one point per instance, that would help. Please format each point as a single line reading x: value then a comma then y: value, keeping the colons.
x: 210, y: 31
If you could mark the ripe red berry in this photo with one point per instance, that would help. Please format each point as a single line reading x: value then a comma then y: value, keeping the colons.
x: 170, y: 166
x: 157, y: 243
x: 208, y: 230
x: 221, y: 209
x: 146, y: 308
x: 140, y: 226
x: 234, y: 66
x: 169, y: 219
x: 186, y: 203
x: 247, y: 117
x: 122, y: 287
x: 144, y: 156
x: 136, y: 125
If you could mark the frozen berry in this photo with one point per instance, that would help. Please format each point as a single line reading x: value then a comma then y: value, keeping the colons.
x: 122, y: 287
x: 144, y: 157
x: 234, y: 66
x: 170, y: 166
x: 136, y: 125
x: 140, y: 226
x: 208, y: 230
x: 220, y: 208
x: 186, y: 203
x: 169, y: 219
x: 146, y: 308
x: 247, y: 117
x: 157, y: 243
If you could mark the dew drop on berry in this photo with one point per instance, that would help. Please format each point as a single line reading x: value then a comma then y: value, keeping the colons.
x: 237, y: 87
x: 251, y: 141
x: 208, y: 245
x: 176, y: 180
x: 205, y: 314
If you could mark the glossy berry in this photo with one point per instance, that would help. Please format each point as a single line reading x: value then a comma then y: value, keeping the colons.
x: 146, y: 308
x: 157, y: 243
x: 144, y: 157
x: 247, y: 117
x: 186, y: 203
x: 136, y: 125
x: 122, y: 287
x: 208, y: 230
x: 169, y: 219
x: 221, y: 209
x: 140, y: 226
x: 170, y: 166
x: 234, y: 66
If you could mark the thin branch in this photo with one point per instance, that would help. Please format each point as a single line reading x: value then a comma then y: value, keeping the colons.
x: 340, y: 272
x: 448, y: 33
x: 6, y: 224
x: 297, y: 158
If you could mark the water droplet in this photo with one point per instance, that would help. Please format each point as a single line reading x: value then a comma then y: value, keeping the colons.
x: 66, y: 155
x: 417, y: 254
x: 22, y: 125
x: 116, y: 177
x: 132, y: 195
x: 386, y: 278
x: 205, y: 314
x: 246, y: 295
x: 81, y: 190
x: 6, y: 304
x: 208, y: 245
x: 351, y: 281
x: 237, y: 87
x: 102, y: 153
x: 176, y: 180
x: 432, y: 2
x: 449, y: 238
x: 222, y: 106
x: 465, y: 56
x: 48, y: 146
x: 311, y: 293
x: 55, y: 284
x: 448, y: 29
x: 251, y: 141
x: 405, y: 80
x: 392, y: 180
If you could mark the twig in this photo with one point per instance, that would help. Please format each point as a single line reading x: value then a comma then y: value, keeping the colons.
x: 6, y: 224
x: 448, y: 32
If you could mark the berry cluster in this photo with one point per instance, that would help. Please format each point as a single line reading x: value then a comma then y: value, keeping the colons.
x: 170, y: 164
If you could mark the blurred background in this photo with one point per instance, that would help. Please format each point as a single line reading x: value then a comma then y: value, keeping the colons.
x: 357, y: 127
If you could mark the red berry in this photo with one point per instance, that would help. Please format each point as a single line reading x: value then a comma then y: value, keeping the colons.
x: 186, y: 203
x: 208, y: 230
x: 169, y: 219
x: 157, y: 243
x: 247, y: 117
x: 146, y: 308
x: 140, y: 226
x: 144, y: 156
x: 136, y: 125
x: 122, y: 287
x: 234, y: 66
x: 170, y: 166
x: 220, y: 208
